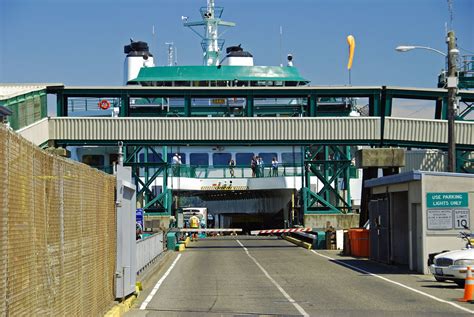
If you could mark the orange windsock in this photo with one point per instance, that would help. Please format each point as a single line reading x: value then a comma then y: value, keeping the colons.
x: 352, y: 45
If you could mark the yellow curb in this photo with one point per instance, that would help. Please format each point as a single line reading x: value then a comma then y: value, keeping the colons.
x: 181, y: 247
x: 138, y: 285
x: 298, y: 242
x: 186, y: 242
x: 123, y: 307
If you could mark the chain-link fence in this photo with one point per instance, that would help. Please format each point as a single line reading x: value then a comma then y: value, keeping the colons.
x: 57, y: 233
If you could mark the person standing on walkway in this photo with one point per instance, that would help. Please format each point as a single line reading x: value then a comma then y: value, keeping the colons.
x: 253, y: 166
x: 194, y: 224
x: 274, y: 167
x: 261, y: 167
x: 231, y: 168
x: 176, y: 161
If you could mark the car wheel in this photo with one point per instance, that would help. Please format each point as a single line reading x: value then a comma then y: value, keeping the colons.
x: 440, y: 279
x: 460, y: 283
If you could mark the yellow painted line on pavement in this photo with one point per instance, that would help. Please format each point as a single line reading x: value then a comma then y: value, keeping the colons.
x: 396, y: 283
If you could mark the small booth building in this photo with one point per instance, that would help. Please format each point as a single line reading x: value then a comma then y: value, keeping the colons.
x: 417, y: 213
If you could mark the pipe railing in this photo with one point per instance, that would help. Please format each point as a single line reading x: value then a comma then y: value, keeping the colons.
x: 148, y: 249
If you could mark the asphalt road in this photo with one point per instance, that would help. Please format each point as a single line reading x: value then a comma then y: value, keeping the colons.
x: 255, y: 276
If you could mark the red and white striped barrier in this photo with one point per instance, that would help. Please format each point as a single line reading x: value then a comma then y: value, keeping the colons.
x: 269, y: 231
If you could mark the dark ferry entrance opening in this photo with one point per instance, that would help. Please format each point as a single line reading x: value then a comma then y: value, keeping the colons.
x: 246, y: 209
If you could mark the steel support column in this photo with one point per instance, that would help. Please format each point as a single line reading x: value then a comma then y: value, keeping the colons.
x: 329, y: 164
x: 249, y: 107
x: 187, y: 105
x: 145, y: 172
x: 313, y: 105
x: 124, y: 106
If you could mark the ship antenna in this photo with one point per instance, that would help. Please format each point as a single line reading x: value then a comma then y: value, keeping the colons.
x: 281, y: 39
x: 154, y: 37
x: 211, y: 20
x: 175, y: 56
x: 170, y: 53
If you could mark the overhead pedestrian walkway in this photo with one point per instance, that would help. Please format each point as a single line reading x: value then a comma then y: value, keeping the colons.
x: 255, y: 131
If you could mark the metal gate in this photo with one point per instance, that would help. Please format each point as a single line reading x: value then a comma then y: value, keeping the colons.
x: 126, y: 267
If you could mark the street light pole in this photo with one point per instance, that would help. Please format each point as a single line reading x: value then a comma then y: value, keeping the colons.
x: 452, y: 86
x: 406, y: 48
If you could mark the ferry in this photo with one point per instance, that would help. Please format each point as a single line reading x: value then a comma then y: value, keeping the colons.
x: 247, y: 199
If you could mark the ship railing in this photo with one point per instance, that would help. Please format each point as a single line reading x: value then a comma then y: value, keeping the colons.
x: 89, y: 106
x: 239, y: 171
x: 148, y: 249
x: 225, y: 171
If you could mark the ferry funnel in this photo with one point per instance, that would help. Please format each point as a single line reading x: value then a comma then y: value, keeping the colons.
x: 138, y: 56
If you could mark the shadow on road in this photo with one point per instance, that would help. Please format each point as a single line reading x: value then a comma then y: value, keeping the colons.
x: 441, y: 285
x: 361, y: 265
x: 239, y: 247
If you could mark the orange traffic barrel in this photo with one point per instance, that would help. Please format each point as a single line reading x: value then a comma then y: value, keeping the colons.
x: 359, y: 242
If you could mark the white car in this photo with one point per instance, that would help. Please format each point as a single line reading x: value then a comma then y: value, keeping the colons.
x: 452, y: 265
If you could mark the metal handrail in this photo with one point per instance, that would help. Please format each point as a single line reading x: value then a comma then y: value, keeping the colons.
x: 240, y: 171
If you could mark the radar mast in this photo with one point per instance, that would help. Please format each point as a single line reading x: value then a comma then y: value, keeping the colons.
x: 211, y: 20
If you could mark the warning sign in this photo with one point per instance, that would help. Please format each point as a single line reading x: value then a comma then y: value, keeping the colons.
x: 439, y: 219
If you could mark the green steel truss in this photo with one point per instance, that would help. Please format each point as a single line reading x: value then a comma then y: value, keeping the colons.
x: 331, y: 165
x: 465, y: 162
x: 147, y: 165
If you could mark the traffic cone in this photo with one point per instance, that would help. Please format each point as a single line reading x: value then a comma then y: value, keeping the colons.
x: 468, y: 287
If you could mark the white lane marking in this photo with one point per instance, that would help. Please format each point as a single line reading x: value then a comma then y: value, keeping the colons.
x: 291, y: 300
x: 396, y: 283
x: 158, y: 284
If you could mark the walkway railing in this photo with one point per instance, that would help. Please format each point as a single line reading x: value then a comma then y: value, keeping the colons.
x: 148, y: 249
x: 201, y: 171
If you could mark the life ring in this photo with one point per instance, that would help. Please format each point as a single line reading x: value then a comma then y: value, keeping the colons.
x: 104, y: 104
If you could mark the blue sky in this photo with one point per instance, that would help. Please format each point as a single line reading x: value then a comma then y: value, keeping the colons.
x: 80, y: 42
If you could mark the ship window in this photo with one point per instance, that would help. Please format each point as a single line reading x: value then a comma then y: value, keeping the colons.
x: 183, y: 157
x: 267, y: 157
x: 93, y: 160
x: 201, y: 159
x: 221, y: 159
x: 243, y: 159
x: 291, y: 158
x: 152, y: 158
x: 182, y: 83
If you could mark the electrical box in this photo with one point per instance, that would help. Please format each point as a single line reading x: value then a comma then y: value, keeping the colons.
x: 452, y: 82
